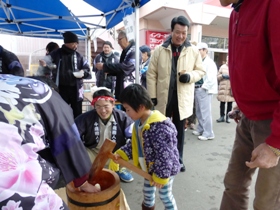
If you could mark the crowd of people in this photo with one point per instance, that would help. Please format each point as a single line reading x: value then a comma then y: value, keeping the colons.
x: 45, y: 134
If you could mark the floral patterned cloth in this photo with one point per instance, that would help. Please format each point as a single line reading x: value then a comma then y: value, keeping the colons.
x: 159, y: 148
x: 34, y: 120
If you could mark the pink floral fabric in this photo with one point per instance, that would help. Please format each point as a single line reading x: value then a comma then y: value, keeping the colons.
x: 21, y: 132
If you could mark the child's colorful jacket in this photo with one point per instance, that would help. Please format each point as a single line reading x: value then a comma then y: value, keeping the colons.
x: 159, y: 148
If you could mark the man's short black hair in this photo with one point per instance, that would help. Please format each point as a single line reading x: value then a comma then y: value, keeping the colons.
x: 108, y: 43
x: 181, y: 20
x: 102, y: 92
x: 51, y: 46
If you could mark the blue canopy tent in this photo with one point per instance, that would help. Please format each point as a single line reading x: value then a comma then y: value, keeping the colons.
x: 115, y: 11
x: 40, y: 19
x: 45, y: 19
x: 49, y: 19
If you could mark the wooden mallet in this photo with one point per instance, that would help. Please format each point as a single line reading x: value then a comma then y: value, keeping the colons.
x: 102, y: 157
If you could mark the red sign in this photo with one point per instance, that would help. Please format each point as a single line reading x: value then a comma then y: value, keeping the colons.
x: 155, y: 38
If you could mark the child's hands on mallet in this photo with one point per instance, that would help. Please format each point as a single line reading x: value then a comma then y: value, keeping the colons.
x: 116, y: 157
x: 156, y: 184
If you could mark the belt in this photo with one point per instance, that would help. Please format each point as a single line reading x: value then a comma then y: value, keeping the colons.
x: 197, y: 86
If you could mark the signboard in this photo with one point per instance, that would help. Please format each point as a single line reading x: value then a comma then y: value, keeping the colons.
x: 155, y: 38
x: 129, y: 24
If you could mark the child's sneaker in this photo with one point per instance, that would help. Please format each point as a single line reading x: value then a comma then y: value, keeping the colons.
x: 125, y: 175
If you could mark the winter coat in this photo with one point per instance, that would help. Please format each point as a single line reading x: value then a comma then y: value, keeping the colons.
x: 159, y: 148
x: 159, y: 73
x: 64, y: 60
x: 101, y: 81
x: 124, y: 70
x: 143, y: 72
x: 224, y: 91
x: 9, y: 63
x: 89, y: 121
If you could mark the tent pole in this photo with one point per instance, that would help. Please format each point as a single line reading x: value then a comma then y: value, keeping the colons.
x: 137, y: 54
x: 88, y: 40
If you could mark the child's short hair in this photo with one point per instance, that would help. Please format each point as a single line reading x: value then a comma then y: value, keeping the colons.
x: 135, y: 95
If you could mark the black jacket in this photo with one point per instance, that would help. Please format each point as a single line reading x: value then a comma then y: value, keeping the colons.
x: 143, y: 72
x: 87, y: 122
x: 173, y: 76
x: 101, y: 81
x: 64, y: 60
x: 9, y: 63
x: 124, y: 70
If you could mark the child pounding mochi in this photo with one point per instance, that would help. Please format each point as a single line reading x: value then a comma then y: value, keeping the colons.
x: 153, y: 146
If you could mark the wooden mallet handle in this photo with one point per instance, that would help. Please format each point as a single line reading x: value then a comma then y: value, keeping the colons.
x: 132, y: 167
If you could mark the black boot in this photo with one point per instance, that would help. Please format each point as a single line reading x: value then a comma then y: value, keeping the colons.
x: 147, y: 208
x: 227, y: 119
x: 221, y: 119
x: 183, y: 168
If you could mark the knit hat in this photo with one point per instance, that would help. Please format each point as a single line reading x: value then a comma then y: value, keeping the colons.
x: 107, y: 43
x: 145, y: 48
x: 70, y: 37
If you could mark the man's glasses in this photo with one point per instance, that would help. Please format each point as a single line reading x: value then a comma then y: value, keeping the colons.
x: 106, y: 107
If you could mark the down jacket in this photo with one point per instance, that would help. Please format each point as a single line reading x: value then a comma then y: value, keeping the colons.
x: 224, y: 91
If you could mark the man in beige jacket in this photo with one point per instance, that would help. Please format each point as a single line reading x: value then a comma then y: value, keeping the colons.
x: 174, y: 68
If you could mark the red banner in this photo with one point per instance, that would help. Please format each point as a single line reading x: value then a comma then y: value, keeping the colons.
x: 154, y: 38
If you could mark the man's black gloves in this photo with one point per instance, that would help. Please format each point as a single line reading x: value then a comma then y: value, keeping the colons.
x: 184, y: 78
x: 154, y: 100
